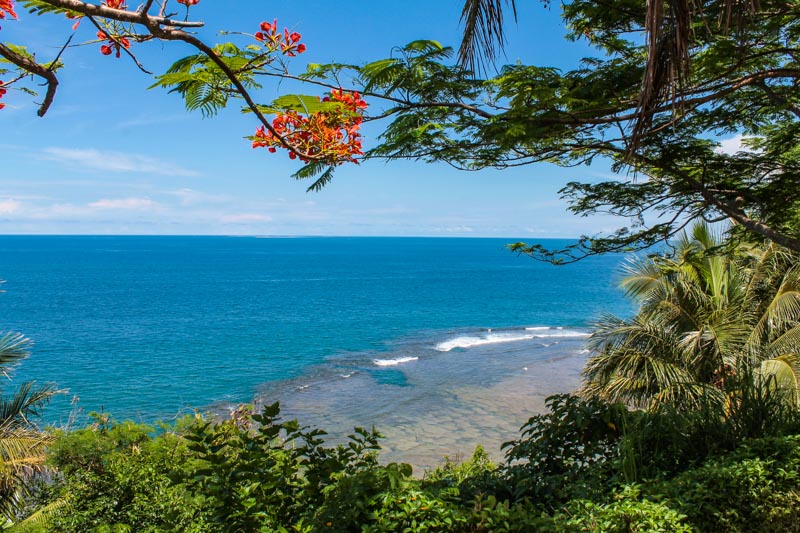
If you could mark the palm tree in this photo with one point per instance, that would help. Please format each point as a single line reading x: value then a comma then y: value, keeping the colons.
x: 704, y: 316
x: 22, y: 444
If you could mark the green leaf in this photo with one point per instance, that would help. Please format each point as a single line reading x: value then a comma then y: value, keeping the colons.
x: 302, y: 104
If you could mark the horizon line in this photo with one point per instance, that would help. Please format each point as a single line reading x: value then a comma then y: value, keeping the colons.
x: 279, y: 236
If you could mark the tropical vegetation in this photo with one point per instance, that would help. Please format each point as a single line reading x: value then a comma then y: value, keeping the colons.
x: 22, y: 443
x: 587, y: 465
x: 689, y: 418
x: 705, y: 317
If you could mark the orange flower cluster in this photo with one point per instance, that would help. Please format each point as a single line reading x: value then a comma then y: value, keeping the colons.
x: 113, y: 44
x: 288, y: 43
x: 115, y: 4
x: 7, y: 6
x: 332, y: 136
x: 2, y: 94
x: 188, y: 3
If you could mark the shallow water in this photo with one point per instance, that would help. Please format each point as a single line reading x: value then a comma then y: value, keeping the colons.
x: 439, y: 403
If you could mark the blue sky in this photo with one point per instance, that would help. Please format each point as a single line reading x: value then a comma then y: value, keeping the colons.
x: 112, y: 157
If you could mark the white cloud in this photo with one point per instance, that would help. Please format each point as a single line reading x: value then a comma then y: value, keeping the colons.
x: 456, y: 229
x: 189, y: 197
x: 733, y: 145
x: 123, y: 203
x: 8, y: 207
x: 149, y: 120
x: 245, y: 218
x: 117, y: 161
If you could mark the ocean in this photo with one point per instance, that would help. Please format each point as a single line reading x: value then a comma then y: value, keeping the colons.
x: 341, y: 329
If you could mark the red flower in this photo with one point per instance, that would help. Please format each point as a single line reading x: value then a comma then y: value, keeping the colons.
x: 274, y: 40
x: 115, y: 4
x: 188, y: 3
x: 116, y: 43
x: 7, y: 6
x: 2, y: 93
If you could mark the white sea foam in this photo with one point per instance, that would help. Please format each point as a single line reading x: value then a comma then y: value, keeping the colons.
x: 348, y: 375
x: 535, y: 332
x: 491, y: 338
x: 393, y: 362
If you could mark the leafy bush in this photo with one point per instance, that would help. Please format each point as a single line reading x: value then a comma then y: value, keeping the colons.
x: 467, y: 479
x: 568, y: 453
x: 627, y: 513
x: 755, y: 488
x: 571, y: 470
x: 116, y: 476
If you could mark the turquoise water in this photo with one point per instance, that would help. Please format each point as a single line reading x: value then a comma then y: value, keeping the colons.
x: 144, y: 327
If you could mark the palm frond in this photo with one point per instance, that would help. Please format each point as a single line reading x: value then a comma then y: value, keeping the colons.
x: 782, y: 313
x: 787, y: 342
x: 13, y: 348
x: 702, y: 314
x: 40, y: 519
x: 26, y: 403
x: 21, y: 447
x: 483, y: 36
x: 783, y: 373
x: 669, y: 29
x: 641, y: 278
x: 22, y: 455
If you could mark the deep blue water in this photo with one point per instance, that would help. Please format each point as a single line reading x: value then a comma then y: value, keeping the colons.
x: 144, y: 327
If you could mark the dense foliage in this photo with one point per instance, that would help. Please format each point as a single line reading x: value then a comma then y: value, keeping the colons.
x: 586, y: 465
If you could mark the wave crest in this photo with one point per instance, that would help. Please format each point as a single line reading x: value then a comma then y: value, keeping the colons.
x: 491, y: 338
x: 538, y: 332
x: 393, y: 362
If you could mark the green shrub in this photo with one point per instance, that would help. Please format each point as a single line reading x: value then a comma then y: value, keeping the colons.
x: 569, y: 471
x: 117, y: 477
x: 569, y: 453
x: 627, y: 513
x: 755, y: 488
x: 469, y: 478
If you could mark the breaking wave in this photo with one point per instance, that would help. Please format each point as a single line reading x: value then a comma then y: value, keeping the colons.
x: 393, y: 362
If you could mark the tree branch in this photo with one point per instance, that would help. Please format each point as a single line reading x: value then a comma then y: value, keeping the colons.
x: 34, y: 68
x: 121, y: 15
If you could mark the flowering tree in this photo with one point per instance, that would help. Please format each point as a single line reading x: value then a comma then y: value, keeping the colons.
x: 637, y: 105
x: 321, y: 131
